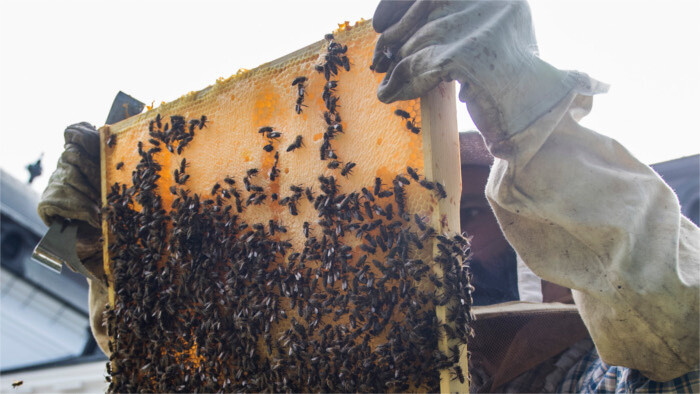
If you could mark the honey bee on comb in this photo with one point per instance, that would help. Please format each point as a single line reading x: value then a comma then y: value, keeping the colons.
x: 402, y: 113
x: 112, y: 140
x: 298, y: 143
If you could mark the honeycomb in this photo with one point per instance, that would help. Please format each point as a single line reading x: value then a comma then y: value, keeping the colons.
x: 201, y: 266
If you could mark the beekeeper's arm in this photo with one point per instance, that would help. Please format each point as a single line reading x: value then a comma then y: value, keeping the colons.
x: 73, y: 193
x: 579, y: 209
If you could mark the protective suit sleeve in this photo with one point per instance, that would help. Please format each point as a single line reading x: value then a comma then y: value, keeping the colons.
x: 579, y: 209
x: 584, y: 213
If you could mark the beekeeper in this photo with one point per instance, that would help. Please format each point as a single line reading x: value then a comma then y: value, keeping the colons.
x: 579, y: 210
x: 576, y: 206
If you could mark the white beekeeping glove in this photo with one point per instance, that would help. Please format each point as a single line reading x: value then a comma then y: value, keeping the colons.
x: 488, y: 46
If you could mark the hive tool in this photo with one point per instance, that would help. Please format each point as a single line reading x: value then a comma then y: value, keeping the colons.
x: 57, y: 247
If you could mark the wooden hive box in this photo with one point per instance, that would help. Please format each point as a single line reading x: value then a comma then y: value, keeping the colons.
x: 240, y: 281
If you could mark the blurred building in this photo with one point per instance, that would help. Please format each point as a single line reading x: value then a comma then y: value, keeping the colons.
x: 683, y: 175
x: 45, y: 338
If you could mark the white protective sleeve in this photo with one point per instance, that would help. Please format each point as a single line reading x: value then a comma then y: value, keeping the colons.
x: 584, y: 213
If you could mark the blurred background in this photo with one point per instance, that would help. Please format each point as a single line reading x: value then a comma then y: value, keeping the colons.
x: 62, y: 62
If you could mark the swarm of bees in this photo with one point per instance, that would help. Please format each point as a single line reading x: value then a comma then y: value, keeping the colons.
x: 207, y: 302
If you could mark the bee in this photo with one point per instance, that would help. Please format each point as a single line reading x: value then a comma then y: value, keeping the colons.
x: 296, y: 189
x: 385, y: 194
x: 268, y: 148
x: 336, y: 116
x: 347, y: 169
x: 202, y: 122
x: 411, y: 126
x: 252, y: 172
x: 435, y: 280
x: 335, y: 128
x: 329, y: 37
x: 427, y: 184
x: 367, y: 194
x: 412, y: 173
x: 229, y: 180
x: 331, y: 154
x: 306, y: 229
x: 333, y: 164
x: 256, y: 198
x: 182, y: 179
x: 402, y: 179
x: 299, y: 80
x: 296, y: 144
x: 215, y: 188
x: 193, y: 123
x: 298, y: 106
x: 329, y: 89
x: 368, y: 209
x: 419, y: 222
x: 368, y: 248
x: 309, y: 194
x: 329, y: 69
x: 389, y: 211
x: 440, y: 190
x: 239, y: 203
x: 325, y: 147
x: 264, y: 130
x: 112, y: 140
x: 17, y: 383
x: 377, y: 185
x: 274, y: 171
x: 332, y: 103
x: 120, y: 165
x: 274, y: 134
x: 402, y: 113
x: 327, y: 117
x: 458, y: 374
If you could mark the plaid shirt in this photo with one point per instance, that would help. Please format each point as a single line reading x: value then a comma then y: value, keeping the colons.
x: 591, y: 375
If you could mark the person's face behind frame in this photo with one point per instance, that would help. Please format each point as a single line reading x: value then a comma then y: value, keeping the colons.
x: 493, y: 265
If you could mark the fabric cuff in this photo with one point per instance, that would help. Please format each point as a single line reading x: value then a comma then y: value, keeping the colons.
x: 540, y: 89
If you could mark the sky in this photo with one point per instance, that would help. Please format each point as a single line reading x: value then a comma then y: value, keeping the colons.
x: 62, y: 62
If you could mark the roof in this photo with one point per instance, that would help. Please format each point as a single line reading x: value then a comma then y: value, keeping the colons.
x: 19, y: 202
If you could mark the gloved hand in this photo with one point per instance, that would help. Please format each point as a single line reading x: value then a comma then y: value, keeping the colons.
x: 73, y: 193
x: 488, y: 46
